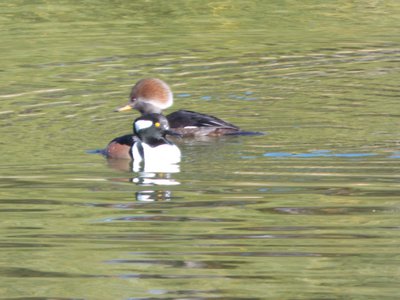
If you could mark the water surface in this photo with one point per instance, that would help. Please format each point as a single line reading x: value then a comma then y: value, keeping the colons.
x: 309, y: 210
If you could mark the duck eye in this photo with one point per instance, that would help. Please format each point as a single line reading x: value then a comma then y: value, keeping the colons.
x: 157, y: 124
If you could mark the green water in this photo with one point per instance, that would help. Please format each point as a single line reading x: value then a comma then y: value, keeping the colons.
x: 310, y: 210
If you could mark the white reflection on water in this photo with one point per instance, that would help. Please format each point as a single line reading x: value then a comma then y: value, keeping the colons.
x: 152, y: 178
x: 157, y: 167
x: 151, y: 196
x: 156, y: 179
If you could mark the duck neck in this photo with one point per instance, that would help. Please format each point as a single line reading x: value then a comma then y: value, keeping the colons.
x: 155, y: 141
x: 147, y: 108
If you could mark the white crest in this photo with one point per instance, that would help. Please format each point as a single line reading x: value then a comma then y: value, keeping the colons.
x: 142, y: 124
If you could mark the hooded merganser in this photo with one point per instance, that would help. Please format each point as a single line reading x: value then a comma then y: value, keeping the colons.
x: 153, y: 95
x: 151, y: 146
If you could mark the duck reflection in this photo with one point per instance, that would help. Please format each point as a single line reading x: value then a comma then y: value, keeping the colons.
x: 123, y: 165
x: 151, y: 179
x: 147, y: 179
x: 153, y: 196
x: 155, y: 179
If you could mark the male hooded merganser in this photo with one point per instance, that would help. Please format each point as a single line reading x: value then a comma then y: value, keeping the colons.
x: 153, y: 95
x: 150, y: 146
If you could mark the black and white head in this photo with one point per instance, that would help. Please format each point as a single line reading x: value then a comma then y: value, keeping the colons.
x: 152, y: 129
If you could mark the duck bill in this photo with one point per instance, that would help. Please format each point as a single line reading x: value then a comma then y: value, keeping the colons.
x: 129, y: 106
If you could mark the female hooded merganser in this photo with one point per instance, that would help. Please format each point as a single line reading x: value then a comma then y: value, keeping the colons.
x: 153, y: 95
x: 151, y: 147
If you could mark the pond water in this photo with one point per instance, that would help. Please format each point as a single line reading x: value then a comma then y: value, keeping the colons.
x: 309, y: 210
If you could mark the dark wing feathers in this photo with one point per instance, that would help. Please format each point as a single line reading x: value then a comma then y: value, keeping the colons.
x: 185, y: 118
